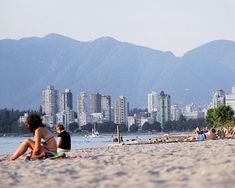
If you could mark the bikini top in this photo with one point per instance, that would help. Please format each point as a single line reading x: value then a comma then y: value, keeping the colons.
x: 47, y: 140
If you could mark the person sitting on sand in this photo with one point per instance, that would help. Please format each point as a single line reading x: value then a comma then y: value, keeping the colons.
x: 211, y: 135
x: 39, y: 150
x: 64, y: 139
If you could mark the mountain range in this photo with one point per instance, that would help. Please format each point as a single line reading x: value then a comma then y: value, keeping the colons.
x: 112, y: 68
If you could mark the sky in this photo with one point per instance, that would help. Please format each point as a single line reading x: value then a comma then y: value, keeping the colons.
x: 167, y: 25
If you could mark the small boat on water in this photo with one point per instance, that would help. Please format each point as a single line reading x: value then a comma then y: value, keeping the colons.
x: 94, y: 132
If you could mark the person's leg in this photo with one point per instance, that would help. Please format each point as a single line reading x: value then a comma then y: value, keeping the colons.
x: 27, y: 143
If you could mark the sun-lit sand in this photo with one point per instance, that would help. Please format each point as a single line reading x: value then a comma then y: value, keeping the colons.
x: 183, y: 164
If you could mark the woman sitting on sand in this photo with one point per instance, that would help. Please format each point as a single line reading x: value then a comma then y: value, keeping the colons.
x: 39, y: 150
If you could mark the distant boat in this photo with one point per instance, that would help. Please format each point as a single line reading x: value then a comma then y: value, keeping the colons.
x: 94, y: 132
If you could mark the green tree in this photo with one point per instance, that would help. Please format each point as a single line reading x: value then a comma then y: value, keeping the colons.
x: 146, y: 127
x: 219, y: 116
x: 134, y: 128
x: 156, y: 126
x: 73, y: 126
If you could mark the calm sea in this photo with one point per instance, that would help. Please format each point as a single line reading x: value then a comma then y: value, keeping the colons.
x: 10, y: 144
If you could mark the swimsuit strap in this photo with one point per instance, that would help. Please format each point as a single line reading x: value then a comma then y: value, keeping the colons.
x: 48, y: 140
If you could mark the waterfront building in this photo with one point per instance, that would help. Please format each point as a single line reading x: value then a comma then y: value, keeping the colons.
x: 218, y: 98
x: 84, y: 118
x: 131, y: 120
x: 65, y: 117
x: 120, y: 110
x: 66, y: 100
x: 192, y: 111
x: 106, y: 107
x: 152, y: 102
x: 163, y: 110
x: 230, y: 99
x: 50, y: 104
x: 95, y: 103
x: 83, y: 103
x: 175, y: 112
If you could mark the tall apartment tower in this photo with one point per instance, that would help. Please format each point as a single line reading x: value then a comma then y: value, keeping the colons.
x: 120, y: 110
x: 175, y: 112
x: 66, y: 100
x: 106, y: 107
x: 230, y: 99
x: 50, y: 104
x: 218, y: 98
x: 83, y: 103
x: 152, y: 102
x: 95, y: 103
x: 164, y: 108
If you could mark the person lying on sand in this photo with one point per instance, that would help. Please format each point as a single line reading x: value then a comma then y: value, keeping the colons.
x: 203, y: 136
x: 39, y: 150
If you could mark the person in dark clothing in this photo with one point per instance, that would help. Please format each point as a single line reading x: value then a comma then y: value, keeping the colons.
x: 64, y: 139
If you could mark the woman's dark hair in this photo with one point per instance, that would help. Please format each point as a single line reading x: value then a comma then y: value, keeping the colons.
x: 34, y: 121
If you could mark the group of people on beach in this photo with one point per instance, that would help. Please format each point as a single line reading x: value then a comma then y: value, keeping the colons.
x: 212, y: 134
x: 44, y: 144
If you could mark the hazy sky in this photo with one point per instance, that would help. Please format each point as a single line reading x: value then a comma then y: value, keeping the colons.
x: 168, y: 25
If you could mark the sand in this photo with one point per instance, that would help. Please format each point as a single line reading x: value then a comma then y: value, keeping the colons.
x: 184, y: 164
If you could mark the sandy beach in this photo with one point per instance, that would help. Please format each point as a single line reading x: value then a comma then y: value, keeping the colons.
x: 183, y: 164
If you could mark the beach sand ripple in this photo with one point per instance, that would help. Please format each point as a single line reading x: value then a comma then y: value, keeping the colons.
x: 183, y: 164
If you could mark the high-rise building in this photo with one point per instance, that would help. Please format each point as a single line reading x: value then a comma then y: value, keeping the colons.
x: 120, y: 110
x: 95, y: 103
x: 175, y: 112
x: 192, y: 111
x: 230, y: 99
x: 50, y: 104
x: 163, y: 110
x: 218, y: 98
x: 106, y: 107
x: 152, y: 102
x: 66, y: 100
x: 82, y: 103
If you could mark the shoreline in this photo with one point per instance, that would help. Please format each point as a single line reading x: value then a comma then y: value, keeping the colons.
x: 183, y: 164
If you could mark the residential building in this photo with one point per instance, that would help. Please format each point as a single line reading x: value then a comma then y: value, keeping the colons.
x: 83, y: 103
x: 120, y: 110
x: 50, y: 104
x: 106, y: 107
x: 66, y: 100
x: 218, y: 98
x: 95, y: 103
x: 192, y: 111
x: 163, y: 110
x: 230, y: 99
x: 152, y: 102
x: 175, y: 112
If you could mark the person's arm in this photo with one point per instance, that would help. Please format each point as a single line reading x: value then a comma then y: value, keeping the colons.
x: 37, y: 147
x: 59, y: 141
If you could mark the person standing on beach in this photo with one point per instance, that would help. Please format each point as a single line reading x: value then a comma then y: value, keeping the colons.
x: 64, y: 139
x: 41, y: 133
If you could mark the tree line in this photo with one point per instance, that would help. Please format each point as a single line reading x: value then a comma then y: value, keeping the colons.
x: 221, y: 116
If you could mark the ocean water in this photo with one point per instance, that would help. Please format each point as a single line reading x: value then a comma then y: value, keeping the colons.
x: 8, y: 145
